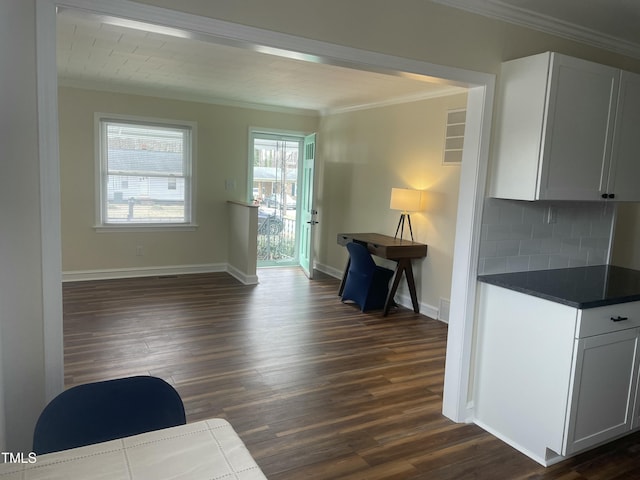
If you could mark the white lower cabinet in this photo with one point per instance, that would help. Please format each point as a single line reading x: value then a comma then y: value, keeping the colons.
x: 552, y: 380
x: 604, y: 389
x: 635, y: 418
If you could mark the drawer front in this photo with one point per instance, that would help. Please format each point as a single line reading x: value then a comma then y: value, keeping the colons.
x: 406, y: 251
x: 612, y: 318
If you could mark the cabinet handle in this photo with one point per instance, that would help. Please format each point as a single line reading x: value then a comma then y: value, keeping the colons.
x: 619, y: 318
x: 612, y: 195
x: 604, y: 195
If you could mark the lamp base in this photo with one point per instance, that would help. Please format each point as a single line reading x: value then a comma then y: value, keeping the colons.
x: 401, y: 226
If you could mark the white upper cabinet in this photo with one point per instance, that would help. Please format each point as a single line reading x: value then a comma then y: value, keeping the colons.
x: 625, y: 163
x: 563, y: 124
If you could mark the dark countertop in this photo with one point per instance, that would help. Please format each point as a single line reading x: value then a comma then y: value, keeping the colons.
x: 580, y: 287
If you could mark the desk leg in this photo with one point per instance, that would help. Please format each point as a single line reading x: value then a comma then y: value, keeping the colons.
x: 408, y: 272
x: 403, y: 266
x: 392, y: 291
x: 344, y: 277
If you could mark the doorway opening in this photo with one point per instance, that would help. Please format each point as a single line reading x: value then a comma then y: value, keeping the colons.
x: 472, y: 183
x: 273, y: 178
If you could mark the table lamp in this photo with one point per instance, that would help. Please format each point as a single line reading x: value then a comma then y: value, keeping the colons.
x: 406, y: 201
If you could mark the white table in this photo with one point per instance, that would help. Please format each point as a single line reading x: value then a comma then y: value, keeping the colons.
x: 206, y: 450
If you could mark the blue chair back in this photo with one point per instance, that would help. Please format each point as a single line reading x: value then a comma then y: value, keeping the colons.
x: 361, y: 261
x: 102, y: 411
x: 367, y: 284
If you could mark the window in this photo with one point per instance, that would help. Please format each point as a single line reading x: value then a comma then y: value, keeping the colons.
x: 145, y: 172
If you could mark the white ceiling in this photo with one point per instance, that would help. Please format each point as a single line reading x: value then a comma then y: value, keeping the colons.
x: 101, y: 53
x: 97, y: 53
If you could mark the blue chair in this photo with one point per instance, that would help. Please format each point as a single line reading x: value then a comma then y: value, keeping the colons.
x: 102, y: 411
x: 367, y: 284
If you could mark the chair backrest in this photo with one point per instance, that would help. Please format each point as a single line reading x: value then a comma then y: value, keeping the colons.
x: 360, y: 257
x: 102, y: 411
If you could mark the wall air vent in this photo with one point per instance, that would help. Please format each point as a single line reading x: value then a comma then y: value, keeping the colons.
x: 454, y: 137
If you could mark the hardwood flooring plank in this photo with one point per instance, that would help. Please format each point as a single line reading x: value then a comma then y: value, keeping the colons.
x: 315, y: 388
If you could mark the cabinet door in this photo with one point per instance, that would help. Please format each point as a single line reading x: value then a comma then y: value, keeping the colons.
x: 603, y: 389
x: 635, y: 421
x: 578, y: 133
x: 625, y: 160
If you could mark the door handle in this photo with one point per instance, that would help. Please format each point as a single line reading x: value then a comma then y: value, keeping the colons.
x: 619, y: 318
x: 312, y: 222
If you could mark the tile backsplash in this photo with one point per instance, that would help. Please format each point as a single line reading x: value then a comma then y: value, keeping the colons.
x: 519, y: 236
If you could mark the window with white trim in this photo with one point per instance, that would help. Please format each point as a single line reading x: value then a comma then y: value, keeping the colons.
x: 145, y: 172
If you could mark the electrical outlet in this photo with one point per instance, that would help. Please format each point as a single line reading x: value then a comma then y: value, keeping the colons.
x: 139, y: 251
x: 229, y: 184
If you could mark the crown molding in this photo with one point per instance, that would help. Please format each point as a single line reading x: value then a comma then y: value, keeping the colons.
x: 184, y: 96
x: 168, y: 94
x: 445, y: 91
x: 499, y: 10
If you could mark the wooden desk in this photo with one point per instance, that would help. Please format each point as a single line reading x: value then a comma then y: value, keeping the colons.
x: 398, y: 250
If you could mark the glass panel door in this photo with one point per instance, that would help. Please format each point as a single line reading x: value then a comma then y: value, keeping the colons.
x: 308, y: 214
x: 274, y: 187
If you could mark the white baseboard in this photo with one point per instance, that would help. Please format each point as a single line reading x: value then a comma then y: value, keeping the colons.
x: 533, y: 456
x: 241, y: 276
x: 425, y: 309
x: 332, y: 272
x: 403, y: 300
x: 113, y: 273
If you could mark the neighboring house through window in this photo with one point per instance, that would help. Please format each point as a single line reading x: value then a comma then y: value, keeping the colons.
x: 145, y: 172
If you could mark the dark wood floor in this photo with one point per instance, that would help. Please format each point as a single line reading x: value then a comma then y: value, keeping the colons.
x: 316, y: 389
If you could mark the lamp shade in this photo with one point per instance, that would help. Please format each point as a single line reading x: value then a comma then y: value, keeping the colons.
x: 405, y: 199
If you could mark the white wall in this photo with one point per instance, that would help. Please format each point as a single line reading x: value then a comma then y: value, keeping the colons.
x: 221, y: 154
x: 626, y: 246
x: 362, y: 156
x: 415, y: 31
x: 243, y: 241
x: 419, y: 30
x: 22, y: 393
